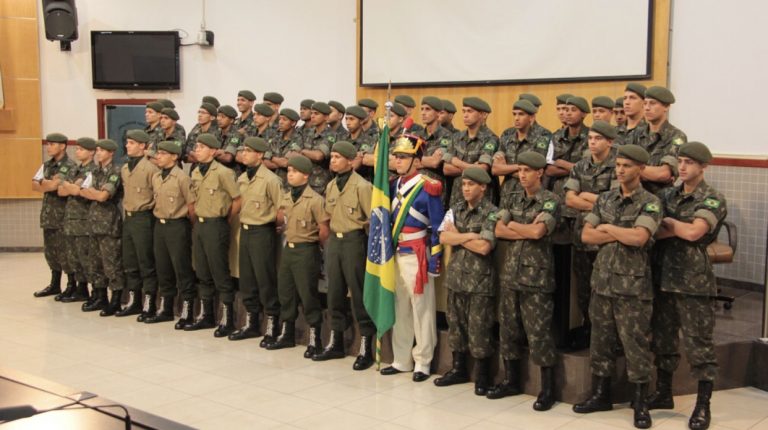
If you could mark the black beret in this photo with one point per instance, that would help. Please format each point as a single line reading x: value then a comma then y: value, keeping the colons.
x: 209, y: 107
x: 87, y: 143
x: 346, y: 149
x: 357, y: 112
x: 300, y: 163
x: 273, y: 97
x: 307, y: 103
x: 172, y: 146
x: 398, y: 110
x: 290, y: 114
x: 525, y: 106
x: 140, y: 136
x: 636, y: 88
x: 228, y: 110
x: 534, y: 160
x: 607, y: 130
x: 579, y: 102
x: 476, y: 174
x: 247, y: 94
x: 155, y: 106
x: 336, y: 105
x: 405, y: 100
x: 369, y: 103
x: 56, y: 137
x: 209, y: 140
x: 256, y: 143
x: 212, y: 100
x: 263, y: 109
x: 433, y: 102
x: 170, y: 113
x: 563, y: 98
x: 531, y: 98
x: 634, y: 153
x: 108, y: 144
x: 602, y: 101
x: 661, y: 94
x: 167, y: 103
x: 448, y: 106
x: 695, y: 150
x: 321, y: 107
x: 476, y: 103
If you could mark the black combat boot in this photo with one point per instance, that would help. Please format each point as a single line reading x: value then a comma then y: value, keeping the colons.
x: 640, y: 405
x: 546, y: 398
x: 458, y: 373
x: 271, y: 332
x: 165, y: 313
x: 71, y: 285
x: 315, y: 344
x: 185, y: 318
x: 334, y: 349
x: 287, y: 338
x: 79, y: 295
x: 364, y: 358
x: 701, y: 417
x: 53, y: 288
x: 97, y: 301
x: 482, y: 376
x: 205, y: 319
x: 249, y: 330
x: 600, y: 399
x: 227, y: 322
x: 510, y: 386
x: 132, y: 307
x: 149, y: 308
x: 662, y: 397
x: 114, y: 304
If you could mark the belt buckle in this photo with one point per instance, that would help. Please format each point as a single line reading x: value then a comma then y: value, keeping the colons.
x: 340, y: 235
x: 162, y: 220
x: 291, y: 245
x: 201, y: 219
x: 245, y: 226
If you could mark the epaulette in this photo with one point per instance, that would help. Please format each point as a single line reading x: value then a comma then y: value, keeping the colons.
x: 433, y: 187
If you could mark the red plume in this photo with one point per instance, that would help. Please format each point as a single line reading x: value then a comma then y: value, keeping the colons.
x: 407, y: 124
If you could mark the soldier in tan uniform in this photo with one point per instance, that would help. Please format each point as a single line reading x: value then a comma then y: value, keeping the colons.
x: 348, y: 203
x: 261, y: 192
x: 306, y: 226
x: 172, y: 242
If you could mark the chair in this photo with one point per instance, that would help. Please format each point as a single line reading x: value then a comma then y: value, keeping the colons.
x: 722, y: 253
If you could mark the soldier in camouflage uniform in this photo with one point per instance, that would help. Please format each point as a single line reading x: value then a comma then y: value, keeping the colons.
x: 446, y: 116
x: 634, y: 96
x: 230, y: 139
x: 694, y: 214
x: 369, y: 125
x: 409, y: 104
x: 622, y: 223
x: 305, y: 115
x: 363, y: 142
x: 286, y: 144
x: 334, y: 121
x: 536, y: 128
x: 589, y: 177
x: 244, y: 123
x: 152, y: 116
x: 275, y: 101
x: 317, y: 146
x: 560, y: 107
x: 437, y: 139
x: 602, y: 109
x: 171, y: 130
x: 474, y: 146
x: 468, y: 228
x: 206, y: 123
x: 106, y: 224
x: 79, y: 252
x: 618, y: 113
x: 527, y: 280
x: 52, y: 213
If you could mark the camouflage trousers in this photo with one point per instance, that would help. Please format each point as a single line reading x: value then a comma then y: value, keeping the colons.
x: 79, y: 253
x: 630, y: 318
x: 470, y: 319
x: 696, y: 316
x: 55, y: 249
x: 106, y: 266
x: 583, y: 261
x: 526, y: 313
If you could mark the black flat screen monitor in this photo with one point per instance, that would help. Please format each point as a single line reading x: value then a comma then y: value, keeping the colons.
x: 135, y: 60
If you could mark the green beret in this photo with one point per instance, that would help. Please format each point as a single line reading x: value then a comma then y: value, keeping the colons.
x: 525, y: 106
x: 290, y: 114
x: 172, y: 146
x: 256, y: 143
x: 87, y: 143
x: 263, y: 109
x: 170, y: 113
x: 369, y: 103
x: 321, y: 107
x: 619, y: 102
x: 56, y: 137
x: 336, y: 105
x: 405, y: 100
x: 636, y: 88
x: 345, y: 148
x: 534, y: 160
x: 563, y: 98
x: 155, y: 106
x: 531, y: 98
x: 247, y: 94
x: 212, y: 100
x: 210, y: 108
x: 301, y: 163
x: 696, y: 151
x: 275, y: 98
x: 357, y: 112
x: 579, y: 102
x: 228, y: 110
x: 108, y: 144
x: 140, y: 136
x: 433, y: 102
x: 602, y: 101
x: 476, y: 103
x: 209, y: 140
x: 398, y: 109
x: 166, y: 103
x: 634, y: 153
x: 607, y: 130
x: 448, y: 106
x: 661, y: 94
x: 307, y: 103
x: 476, y: 174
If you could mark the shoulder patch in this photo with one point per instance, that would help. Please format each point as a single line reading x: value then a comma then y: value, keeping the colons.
x: 490, y: 146
x: 493, y: 216
x: 542, y: 143
x: 331, y: 139
x: 549, y: 206
x: 678, y: 141
x: 113, y: 178
x: 235, y: 140
x: 432, y: 187
x: 652, y: 208
x: 712, y: 203
x: 444, y: 142
x: 64, y: 169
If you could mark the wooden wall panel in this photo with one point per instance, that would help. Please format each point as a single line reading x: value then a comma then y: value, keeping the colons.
x: 18, y: 40
x: 18, y: 9
x: 501, y: 97
x: 21, y: 159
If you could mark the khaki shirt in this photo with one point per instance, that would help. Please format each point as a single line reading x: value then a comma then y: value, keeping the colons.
x: 215, y: 191
x: 261, y: 196
x: 303, y: 217
x: 137, y: 186
x: 349, y: 209
x: 172, y: 194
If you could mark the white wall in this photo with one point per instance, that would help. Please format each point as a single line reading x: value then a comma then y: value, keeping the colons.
x: 300, y: 48
x: 719, y: 67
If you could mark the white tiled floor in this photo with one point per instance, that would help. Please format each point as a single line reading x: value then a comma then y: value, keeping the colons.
x: 204, y: 382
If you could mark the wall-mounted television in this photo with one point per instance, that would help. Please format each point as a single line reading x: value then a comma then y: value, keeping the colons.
x: 135, y: 60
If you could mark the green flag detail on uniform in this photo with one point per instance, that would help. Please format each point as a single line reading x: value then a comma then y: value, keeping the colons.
x: 651, y: 207
x: 712, y: 203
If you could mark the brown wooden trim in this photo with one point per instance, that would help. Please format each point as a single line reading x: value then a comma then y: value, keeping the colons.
x: 740, y: 162
x: 102, y: 103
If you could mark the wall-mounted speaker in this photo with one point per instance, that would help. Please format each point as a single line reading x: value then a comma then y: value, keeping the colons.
x: 60, y: 17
